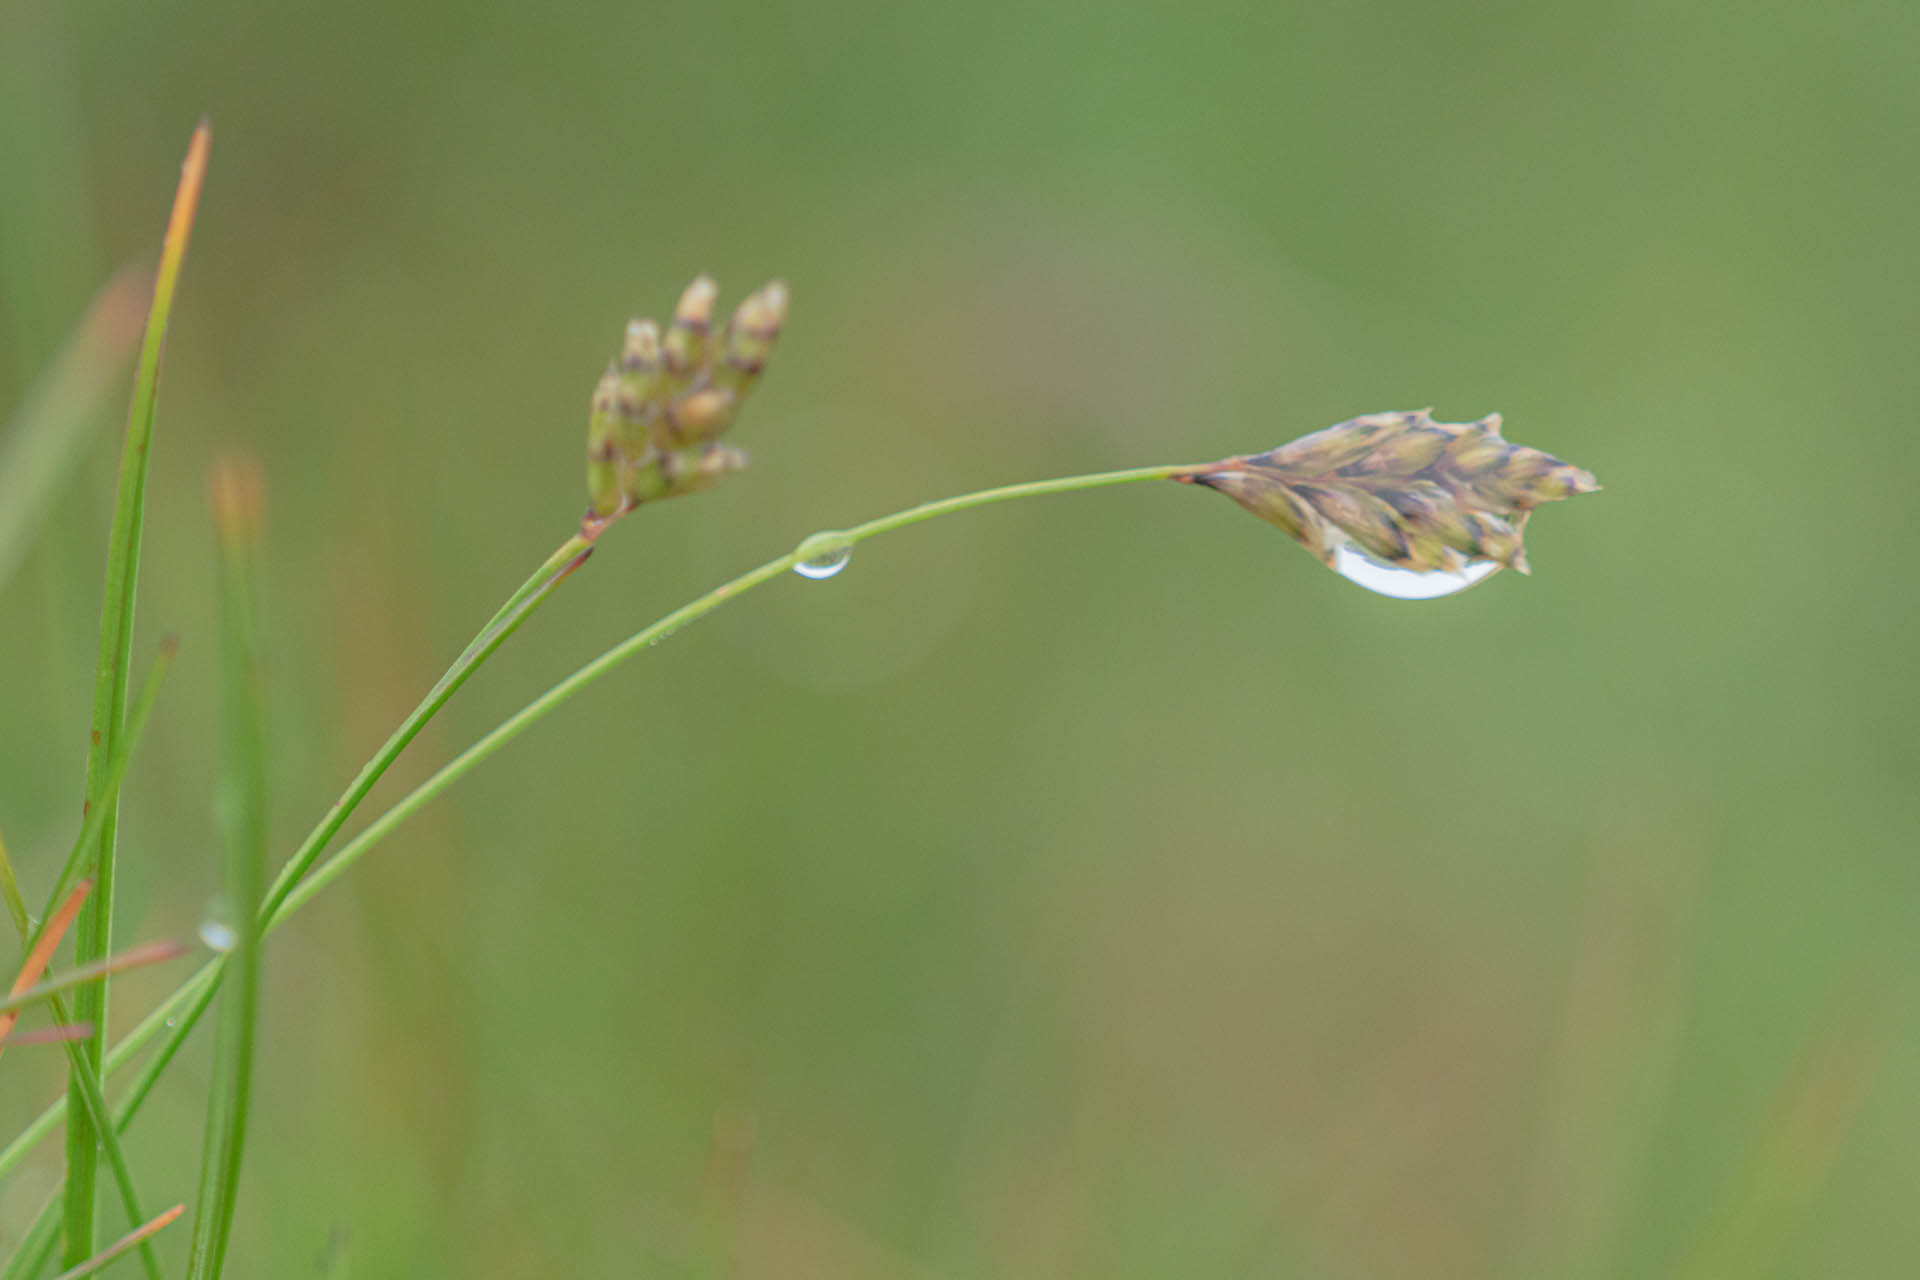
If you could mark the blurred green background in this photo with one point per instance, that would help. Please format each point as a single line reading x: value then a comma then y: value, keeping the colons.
x: 1094, y: 887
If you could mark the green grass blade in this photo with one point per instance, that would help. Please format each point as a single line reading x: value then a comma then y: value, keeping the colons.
x: 60, y: 413
x: 237, y: 500
x: 94, y: 934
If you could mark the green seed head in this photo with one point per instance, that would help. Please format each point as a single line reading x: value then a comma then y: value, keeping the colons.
x: 1411, y: 492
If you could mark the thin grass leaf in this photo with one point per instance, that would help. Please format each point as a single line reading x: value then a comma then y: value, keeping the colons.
x: 137, y: 1238
x: 61, y: 411
x: 95, y: 932
x: 237, y: 495
x: 148, y: 953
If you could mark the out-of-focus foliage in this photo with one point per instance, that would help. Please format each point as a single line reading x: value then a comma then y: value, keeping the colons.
x: 1093, y: 887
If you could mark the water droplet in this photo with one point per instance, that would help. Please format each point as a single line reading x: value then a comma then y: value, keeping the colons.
x: 217, y: 935
x: 173, y: 1022
x: 823, y: 555
x: 1356, y: 566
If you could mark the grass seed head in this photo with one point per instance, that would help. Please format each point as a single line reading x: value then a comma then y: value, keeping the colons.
x: 657, y: 415
x: 1418, y: 494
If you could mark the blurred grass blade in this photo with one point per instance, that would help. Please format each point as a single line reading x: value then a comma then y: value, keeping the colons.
x: 36, y: 1246
x: 41, y: 952
x: 137, y: 1238
x: 1814, y: 1115
x: 237, y: 494
x: 61, y: 410
x: 94, y: 934
x: 148, y: 953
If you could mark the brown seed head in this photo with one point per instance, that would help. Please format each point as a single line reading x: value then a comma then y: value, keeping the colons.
x: 1406, y: 490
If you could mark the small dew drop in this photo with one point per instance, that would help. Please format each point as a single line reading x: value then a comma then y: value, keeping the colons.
x: 823, y: 555
x: 173, y: 1022
x: 1356, y: 566
x: 217, y: 936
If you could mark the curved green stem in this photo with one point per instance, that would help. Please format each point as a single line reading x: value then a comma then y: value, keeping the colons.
x: 531, y: 593
x: 647, y: 636
x: 1006, y: 493
x: 177, y: 1015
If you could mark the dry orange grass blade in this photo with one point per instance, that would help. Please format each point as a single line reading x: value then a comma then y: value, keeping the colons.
x: 132, y: 1240
x: 50, y: 1035
x: 147, y: 953
x: 36, y: 962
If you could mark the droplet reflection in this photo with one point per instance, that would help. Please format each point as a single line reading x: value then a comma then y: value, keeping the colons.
x: 1356, y: 566
x: 823, y: 555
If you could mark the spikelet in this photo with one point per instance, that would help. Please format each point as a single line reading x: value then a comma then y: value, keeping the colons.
x: 658, y: 413
x: 1410, y: 492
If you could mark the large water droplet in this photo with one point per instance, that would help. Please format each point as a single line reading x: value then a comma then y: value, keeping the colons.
x: 218, y: 935
x: 1356, y: 566
x: 823, y: 555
